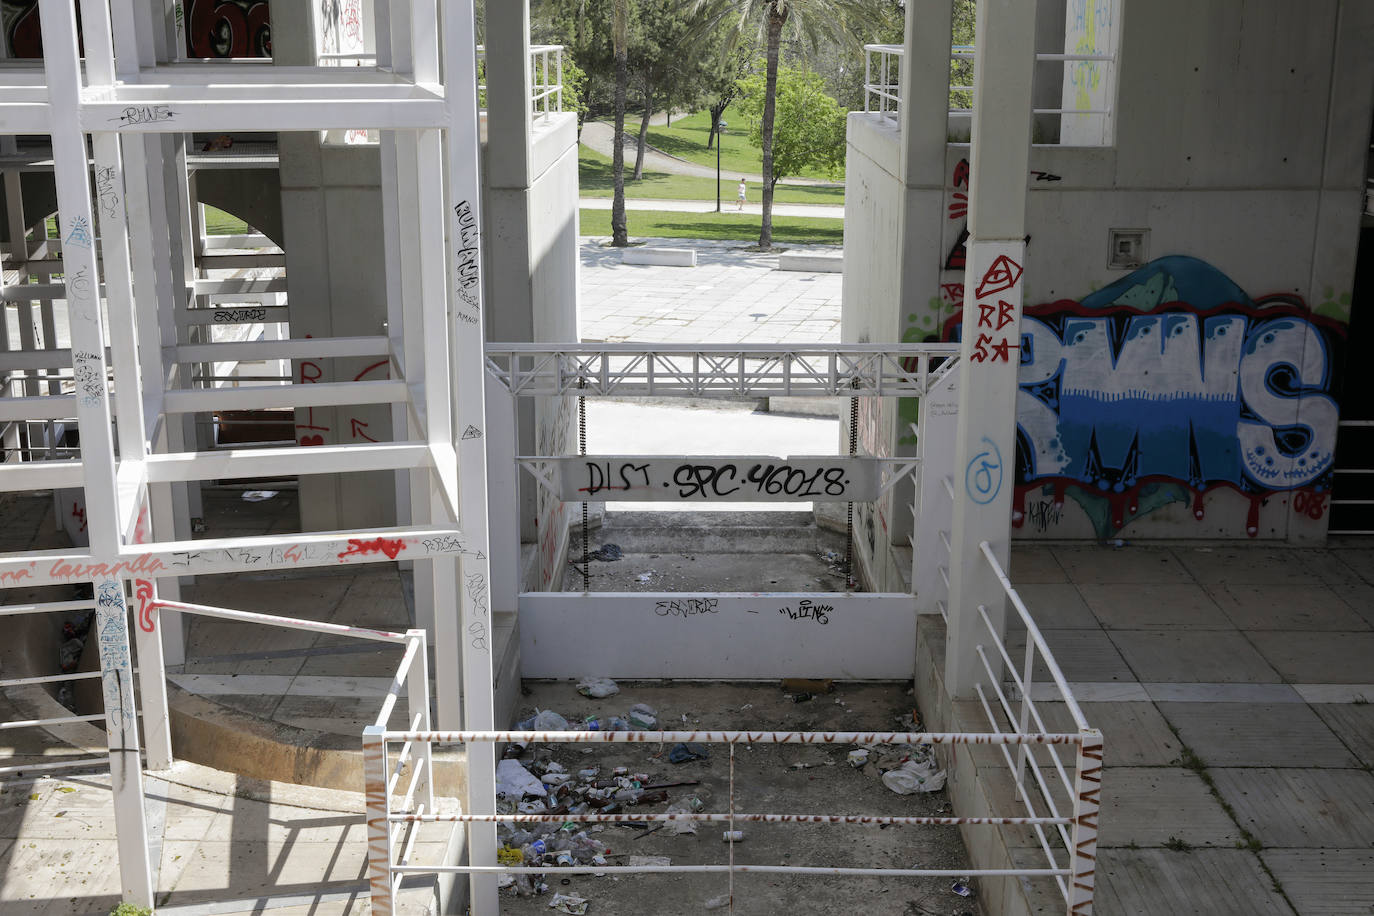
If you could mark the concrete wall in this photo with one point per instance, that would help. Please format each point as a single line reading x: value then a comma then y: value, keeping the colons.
x: 531, y: 262
x: 1241, y: 136
x: 870, y: 291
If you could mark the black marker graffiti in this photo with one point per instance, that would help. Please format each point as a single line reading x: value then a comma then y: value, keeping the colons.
x: 469, y: 271
x: 472, y: 432
x: 145, y: 114
x: 808, y: 611
x: 477, y: 591
x: 686, y: 607
x: 105, y: 192
x: 719, y: 481
x: 238, y: 316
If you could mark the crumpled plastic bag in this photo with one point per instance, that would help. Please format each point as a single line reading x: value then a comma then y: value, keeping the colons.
x: 514, y: 781
x: 597, y: 687
x: 915, y: 776
x: 569, y: 903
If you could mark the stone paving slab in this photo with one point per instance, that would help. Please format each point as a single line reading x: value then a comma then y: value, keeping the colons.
x: 1353, y: 723
x: 1035, y: 564
x: 1134, y: 734
x: 1054, y: 605
x: 1170, y: 605
x: 224, y: 845
x: 1251, y: 565
x: 1286, y: 607
x: 1318, y: 658
x: 1148, y: 805
x: 1202, y: 882
x: 1325, y: 882
x: 1192, y: 655
x: 1091, y: 565
x: 1083, y: 655
x: 1301, y: 807
x: 1250, y: 734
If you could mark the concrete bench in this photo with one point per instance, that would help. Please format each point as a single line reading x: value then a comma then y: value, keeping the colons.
x: 819, y: 262
x: 666, y: 257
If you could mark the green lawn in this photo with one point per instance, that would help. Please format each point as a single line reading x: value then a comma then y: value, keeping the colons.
x: 217, y: 222
x: 687, y: 139
x: 595, y: 180
x: 741, y: 227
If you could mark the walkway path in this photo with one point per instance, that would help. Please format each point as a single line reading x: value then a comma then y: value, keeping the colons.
x: 727, y: 205
x: 600, y: 136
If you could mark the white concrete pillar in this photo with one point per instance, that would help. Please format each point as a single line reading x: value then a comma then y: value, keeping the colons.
x: 985, y: 456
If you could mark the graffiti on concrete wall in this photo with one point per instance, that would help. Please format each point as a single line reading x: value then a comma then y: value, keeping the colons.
x: 20, y: 30
x: 211, y: 28
x: 1167, y: 385
x: 227, y: 28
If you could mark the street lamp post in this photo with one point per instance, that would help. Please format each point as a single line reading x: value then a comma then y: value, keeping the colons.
x: 720, y: 129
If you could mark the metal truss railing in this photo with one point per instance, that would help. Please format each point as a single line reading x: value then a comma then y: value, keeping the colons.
x: 690, y: 370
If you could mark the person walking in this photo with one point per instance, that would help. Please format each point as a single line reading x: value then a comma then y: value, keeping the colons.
x: 739, y: 198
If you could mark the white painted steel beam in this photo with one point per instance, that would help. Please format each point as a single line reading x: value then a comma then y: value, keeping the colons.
x: 229, y: 555
x: 406, y: 109
x: 39, y: 475
x: 76, y: 227
x: 232, y: 464
x: 39, y: 407
x: 291, y: 348
x: 240, y: 287
x: 463, y: 222
x: 322, y: 394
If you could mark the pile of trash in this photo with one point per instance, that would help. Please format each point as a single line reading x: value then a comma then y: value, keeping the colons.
x: 530, y: 781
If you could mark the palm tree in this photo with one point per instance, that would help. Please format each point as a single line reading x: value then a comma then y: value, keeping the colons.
x: 808, y: 20
x: 620, y: 16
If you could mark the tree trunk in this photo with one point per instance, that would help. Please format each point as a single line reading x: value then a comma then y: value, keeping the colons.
x: 776, y: 19
x: 619, y: 234
x: 716, y: 111
x: 644, y: 128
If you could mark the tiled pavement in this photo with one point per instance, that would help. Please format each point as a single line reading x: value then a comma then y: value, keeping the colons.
x: 731, y: 296
x: 1234, y: 686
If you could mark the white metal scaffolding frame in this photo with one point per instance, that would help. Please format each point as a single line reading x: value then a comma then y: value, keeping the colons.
x: 118, y: 118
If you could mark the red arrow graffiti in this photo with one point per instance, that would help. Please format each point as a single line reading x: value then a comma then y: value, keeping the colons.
x: 358, y: 427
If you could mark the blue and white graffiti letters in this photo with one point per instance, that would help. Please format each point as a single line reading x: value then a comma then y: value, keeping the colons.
x: 1112, y: 397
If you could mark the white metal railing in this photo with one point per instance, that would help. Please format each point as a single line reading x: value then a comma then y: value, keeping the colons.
x: 546, y: 63
x: 72, y: 762
x: 385, y: 872
x: 548, y: 90
x: 1101, y: 69
x: 883, y: 84
x: 1079, y: 796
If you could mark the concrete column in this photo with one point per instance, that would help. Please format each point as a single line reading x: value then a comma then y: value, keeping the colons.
x: 924, y: 121
x: 509, y: 87
x: 985, y: 455
x: 506, y: 215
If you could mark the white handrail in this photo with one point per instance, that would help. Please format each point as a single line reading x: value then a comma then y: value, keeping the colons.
x: 886, y: 92
x: 290, y: 623
x: 1033, y: 633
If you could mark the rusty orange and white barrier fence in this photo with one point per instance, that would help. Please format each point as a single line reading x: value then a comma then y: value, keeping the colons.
x: 1053, y: 788
x: 386, y: 868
